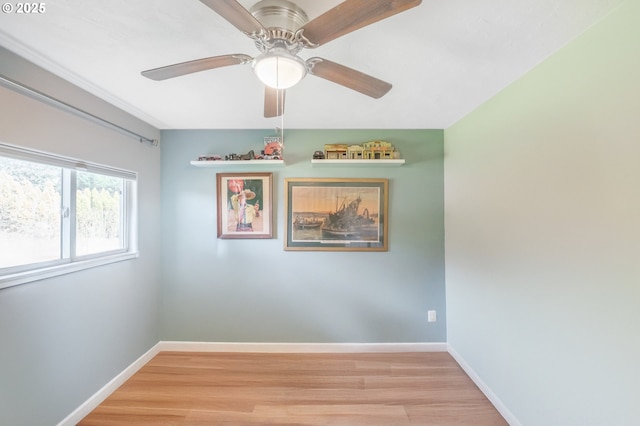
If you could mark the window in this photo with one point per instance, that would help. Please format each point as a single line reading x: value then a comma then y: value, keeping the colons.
x: 58, y: 215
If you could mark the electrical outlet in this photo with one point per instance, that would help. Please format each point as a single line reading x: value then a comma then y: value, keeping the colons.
x: 431, y: 316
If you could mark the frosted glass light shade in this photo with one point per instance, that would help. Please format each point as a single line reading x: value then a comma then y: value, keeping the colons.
x: 279, y: 70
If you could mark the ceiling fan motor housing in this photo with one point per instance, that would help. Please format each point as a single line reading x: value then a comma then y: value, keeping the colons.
x: 279, y: 14
x: 282, y: 19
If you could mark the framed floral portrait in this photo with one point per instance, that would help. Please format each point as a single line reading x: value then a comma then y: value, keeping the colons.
x: 244, y: 202
x: 336, y: 214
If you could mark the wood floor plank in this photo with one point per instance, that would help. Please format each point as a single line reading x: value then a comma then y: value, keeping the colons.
x: 177, y: 388
x: 108, y: 416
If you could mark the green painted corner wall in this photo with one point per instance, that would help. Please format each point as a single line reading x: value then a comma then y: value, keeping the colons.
x: 254, y: 291
x: 543, y: 233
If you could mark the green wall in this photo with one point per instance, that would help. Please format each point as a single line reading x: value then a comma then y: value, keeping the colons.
x: 254, y: 291
x: 543, y: 234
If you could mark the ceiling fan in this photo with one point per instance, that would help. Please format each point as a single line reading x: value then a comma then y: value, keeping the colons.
x: 281, y: 29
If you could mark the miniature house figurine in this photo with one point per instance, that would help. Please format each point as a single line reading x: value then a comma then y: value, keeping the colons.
x: 354, y: 152
x: 378, y: 150
x: 372, y: 150
x: 335, y: 151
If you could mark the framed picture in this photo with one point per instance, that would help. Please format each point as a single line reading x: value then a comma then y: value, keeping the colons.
x: 336, y: 214
x: 245, y: 209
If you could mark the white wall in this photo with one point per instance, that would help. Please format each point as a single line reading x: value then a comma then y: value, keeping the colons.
x: 62, y: 339
x: 542, y: 226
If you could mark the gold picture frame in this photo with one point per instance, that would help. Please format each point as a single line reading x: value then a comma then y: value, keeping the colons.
x: 336, y: 214
x: 245, y: 208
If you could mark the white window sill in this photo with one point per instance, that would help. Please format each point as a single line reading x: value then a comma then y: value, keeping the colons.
x: 24, y: 277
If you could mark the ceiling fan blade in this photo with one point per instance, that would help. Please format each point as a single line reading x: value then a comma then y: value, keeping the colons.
x: 349, y: 16
x: 273, y: 102
x: 197, y: 65
x: 348, y: 77
x: 237, y: 15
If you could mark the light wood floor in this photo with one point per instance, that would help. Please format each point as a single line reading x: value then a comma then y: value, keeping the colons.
x: 178, y: 388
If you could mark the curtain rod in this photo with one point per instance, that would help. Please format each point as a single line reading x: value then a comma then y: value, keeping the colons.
x: 21, y: 88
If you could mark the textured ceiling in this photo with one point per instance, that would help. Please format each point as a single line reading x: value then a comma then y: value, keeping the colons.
x: 444, y: 58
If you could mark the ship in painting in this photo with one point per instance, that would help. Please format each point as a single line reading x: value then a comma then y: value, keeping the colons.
x: 347, y: 223
x: 307, y: 222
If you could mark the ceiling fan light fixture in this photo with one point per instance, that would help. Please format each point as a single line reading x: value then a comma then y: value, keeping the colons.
x: 279, y: 69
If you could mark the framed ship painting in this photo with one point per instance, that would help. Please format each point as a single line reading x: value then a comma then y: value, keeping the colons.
x: 244, y: 204
x: 336, y: 214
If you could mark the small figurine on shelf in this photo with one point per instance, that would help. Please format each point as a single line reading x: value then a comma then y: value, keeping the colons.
x: 318, y: 155
x: 214, y: 157
x: 235, y: 157
x: 272, y: 149
x: 248, y: 156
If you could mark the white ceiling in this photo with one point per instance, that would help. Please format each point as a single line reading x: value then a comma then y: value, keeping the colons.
x: 444, y: 58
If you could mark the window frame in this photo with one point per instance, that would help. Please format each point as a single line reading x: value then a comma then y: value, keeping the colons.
x: 69, y: 261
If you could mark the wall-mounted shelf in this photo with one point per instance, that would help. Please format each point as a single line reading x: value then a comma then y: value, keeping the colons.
x: 359, y: 163
x: 243, y: 163
x: 320, y: 163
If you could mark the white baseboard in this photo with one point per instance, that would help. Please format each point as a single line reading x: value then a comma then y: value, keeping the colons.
x: 491, y: 396
x: 300, y: 347
x: 96, y: 399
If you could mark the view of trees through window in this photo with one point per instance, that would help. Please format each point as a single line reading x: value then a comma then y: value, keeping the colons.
x: 98, y: 213
x: 30, y: 220
x: 32, y: 212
